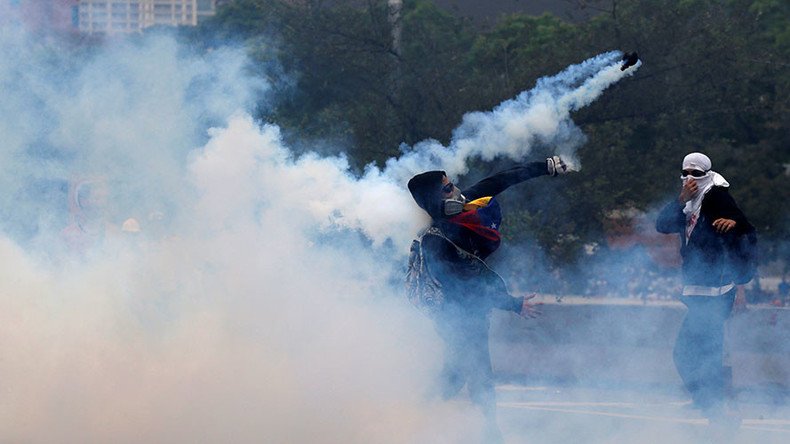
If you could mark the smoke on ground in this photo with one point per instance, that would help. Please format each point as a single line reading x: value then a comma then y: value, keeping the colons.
x: 167, y: 282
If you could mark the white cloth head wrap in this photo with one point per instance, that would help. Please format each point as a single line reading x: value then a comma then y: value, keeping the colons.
x: 700, y: 162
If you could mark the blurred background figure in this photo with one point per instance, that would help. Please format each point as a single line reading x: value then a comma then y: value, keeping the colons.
x: 784, y: 292
x: 88, y: 218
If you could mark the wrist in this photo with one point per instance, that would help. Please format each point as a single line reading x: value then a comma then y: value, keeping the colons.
x: 555, y: 166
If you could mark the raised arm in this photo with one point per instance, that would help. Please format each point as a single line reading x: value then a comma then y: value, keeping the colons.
x: 493, y: 185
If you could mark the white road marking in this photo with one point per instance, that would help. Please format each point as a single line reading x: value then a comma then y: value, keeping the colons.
x: 519, y: 405
x: 574, y: 404
x: 520, y: 388
x: 751, y: 424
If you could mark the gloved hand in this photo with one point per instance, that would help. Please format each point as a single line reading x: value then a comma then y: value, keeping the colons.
x: 556, y: 166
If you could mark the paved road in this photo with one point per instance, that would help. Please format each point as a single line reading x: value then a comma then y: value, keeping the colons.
x: 535, y: 414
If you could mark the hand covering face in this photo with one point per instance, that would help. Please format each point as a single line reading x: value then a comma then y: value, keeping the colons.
x: 700, y: 162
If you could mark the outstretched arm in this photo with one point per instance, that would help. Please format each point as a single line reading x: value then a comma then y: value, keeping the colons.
x: 493, y: 185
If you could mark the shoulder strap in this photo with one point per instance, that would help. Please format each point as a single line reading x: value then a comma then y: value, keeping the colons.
x: 484, y: 268
x: 435, y: 231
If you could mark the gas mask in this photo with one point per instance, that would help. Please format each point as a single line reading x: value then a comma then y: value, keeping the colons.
x: 454, y: 204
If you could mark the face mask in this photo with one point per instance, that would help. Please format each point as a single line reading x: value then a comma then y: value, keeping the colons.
x: 700, y: 179
x: 455, y: 203
x: 453, y: 206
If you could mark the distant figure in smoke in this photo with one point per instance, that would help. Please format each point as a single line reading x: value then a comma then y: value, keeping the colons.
x: 463, y: 289
x: 88, y: 215
x: 715, y: 237
x: 783, y: 291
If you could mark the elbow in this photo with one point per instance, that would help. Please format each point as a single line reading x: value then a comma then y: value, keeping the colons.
x: 663, y: 230
x: 663, y: 227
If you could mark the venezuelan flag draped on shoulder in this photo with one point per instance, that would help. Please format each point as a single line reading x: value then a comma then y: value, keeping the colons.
x: 483, y: 217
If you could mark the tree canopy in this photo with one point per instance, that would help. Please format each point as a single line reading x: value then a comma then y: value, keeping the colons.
x: 715, y: 78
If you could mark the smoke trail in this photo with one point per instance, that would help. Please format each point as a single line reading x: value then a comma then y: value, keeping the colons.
x: 258, y: 313
x: 537, y: 116
x: 374, y: 204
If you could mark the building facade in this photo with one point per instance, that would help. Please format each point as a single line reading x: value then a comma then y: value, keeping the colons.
x: 127, y: 16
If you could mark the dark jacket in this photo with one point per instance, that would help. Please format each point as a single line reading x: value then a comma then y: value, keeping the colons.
x: 468, y: 283
x: 710, y: 259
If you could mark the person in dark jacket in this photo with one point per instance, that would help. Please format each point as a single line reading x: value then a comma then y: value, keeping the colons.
x: 463, y: 233
x: 711, y: 229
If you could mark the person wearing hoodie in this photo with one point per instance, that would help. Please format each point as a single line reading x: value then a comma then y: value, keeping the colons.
x: 464, y: 232
x: 711, y: 228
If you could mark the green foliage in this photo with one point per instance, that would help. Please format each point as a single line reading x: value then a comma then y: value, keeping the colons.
x: 710, y: 83
x: 715, y: 78
x: 519, y: 50
x: 431, y: 97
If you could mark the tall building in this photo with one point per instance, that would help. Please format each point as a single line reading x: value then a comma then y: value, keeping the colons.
x: 126, y: 16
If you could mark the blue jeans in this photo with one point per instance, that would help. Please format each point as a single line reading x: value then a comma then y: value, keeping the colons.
x: 699, y: 348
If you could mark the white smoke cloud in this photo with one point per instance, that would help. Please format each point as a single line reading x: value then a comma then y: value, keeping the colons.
x: 540, y: 116
x: 249, y: 308
x: 240, y: 320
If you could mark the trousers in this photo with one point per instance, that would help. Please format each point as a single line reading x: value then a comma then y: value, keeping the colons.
x: 467, y: 360
x: 699, y: 348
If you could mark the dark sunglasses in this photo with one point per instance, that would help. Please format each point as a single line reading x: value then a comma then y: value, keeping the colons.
x: 448, y: 188
x: 695, y: 173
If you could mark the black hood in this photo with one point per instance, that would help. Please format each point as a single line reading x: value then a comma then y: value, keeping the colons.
x: 426, y: 189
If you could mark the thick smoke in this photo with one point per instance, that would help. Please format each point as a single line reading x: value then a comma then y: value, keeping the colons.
x: 221, y: 289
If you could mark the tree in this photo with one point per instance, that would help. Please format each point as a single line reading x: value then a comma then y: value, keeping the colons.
x: 714, y: 78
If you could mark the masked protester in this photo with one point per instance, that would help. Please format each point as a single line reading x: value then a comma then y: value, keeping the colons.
x: 463, y: 289
x: 712, y: 230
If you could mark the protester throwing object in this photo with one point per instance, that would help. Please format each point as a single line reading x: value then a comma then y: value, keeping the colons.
x: 449, y: 278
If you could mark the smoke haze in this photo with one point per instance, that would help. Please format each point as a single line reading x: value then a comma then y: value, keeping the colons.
x: 259, y: 301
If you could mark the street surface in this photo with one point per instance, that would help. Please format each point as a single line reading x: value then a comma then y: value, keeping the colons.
x: 545, y: 414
